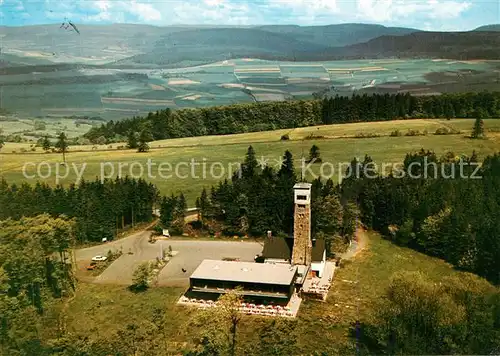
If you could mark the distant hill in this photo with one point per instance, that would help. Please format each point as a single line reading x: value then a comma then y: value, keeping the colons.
x: 216, y: 44
x: 177, y: 46
x: 495, y: 27
x: 338, y: 35
x: 453, y: 45
x: 95, y: 41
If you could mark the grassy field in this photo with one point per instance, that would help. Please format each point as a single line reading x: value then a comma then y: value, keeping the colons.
x: 97, y: 310
x: 338, y: 145
x: 26, y: 128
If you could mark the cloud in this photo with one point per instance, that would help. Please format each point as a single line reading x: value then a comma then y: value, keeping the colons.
x: 433, y: 14
x: 397, y: 10
x: 145, y: 12
x: 214, y: 12
x: 116, y: 11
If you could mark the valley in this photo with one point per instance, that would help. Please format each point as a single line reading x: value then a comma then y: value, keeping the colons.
x: 231, y: 189
x: 117, y: 71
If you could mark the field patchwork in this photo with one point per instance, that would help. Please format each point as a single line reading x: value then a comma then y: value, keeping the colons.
x: 84, y: 91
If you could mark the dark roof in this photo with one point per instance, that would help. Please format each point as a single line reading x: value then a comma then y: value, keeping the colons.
x: 318, y: 249
x: 282, y: 247
x: 278, y: 248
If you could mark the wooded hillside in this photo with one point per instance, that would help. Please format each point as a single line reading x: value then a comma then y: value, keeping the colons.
x: 241, y: 118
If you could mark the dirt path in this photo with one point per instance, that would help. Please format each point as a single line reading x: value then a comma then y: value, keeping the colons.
x: 359, y: 243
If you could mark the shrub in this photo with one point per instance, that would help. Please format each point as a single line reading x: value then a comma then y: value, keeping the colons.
x: 396, y: 133
x: 442, y: 131
x: 413, y: 133
x: 446, y: 131
x: 366, y: 135
x: 285, y: 137
x: 314, y: 137
x: 141, y: 277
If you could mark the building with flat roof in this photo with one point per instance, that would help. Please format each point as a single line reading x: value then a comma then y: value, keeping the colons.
x: 258, y: 282
x: 288, y: 264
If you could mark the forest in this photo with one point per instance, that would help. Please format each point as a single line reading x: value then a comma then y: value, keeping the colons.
x: 259, y: 199
x: 255, y: 117
x: 100, y: 209
x: 455, y: 219
x: 451, y: 212
x: 440, y: 213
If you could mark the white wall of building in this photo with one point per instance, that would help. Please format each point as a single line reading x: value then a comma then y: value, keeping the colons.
x: 319, y: 266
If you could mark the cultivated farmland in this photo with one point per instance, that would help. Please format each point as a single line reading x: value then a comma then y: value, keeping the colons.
x: 112, y: 93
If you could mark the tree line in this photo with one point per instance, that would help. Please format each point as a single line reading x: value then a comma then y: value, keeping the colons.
x: 260, y: 199
x: 100, y: 209
x: 35, y: 272
x: 448, y: 207
x: 240, y: 118
x: 460, y: 315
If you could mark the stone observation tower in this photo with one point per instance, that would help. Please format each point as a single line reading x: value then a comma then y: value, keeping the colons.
x: 302, y: 243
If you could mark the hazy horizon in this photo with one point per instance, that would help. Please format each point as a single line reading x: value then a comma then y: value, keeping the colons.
x: 239, y: 26
x: 427, y: 15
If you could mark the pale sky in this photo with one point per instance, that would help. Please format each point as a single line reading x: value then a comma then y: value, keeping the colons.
x: 437, y: 15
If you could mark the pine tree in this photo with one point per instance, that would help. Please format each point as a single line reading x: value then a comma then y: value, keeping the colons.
x: 180, y: 210
x: 145, y: 137
x: 478, y: 129
x: 249, y: 168
x: 314, y: 154
x: 204, y: 205
x: 167, y: 210
x: 46, y: 144
x: 132, y: 140
x: 197, y: 205
x: 287, y: 169
x: 62, y: 145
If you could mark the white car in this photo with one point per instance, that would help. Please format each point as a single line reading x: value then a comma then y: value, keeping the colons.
x: 99, y: 258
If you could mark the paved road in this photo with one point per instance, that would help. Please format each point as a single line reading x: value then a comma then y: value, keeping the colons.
x: 190, y: 254
x: 135, y: 242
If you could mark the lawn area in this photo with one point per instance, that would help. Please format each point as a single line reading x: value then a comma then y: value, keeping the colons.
x: 357, y: 289
x: 338, y: 146
x: 99, y: 310
x: 26, y: 127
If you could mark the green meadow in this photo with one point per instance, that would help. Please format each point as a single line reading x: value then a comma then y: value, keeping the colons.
x: 357, y: 290
x: 189, y: 164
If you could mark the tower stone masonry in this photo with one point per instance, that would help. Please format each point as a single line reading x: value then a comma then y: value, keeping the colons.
x: 302, y: 243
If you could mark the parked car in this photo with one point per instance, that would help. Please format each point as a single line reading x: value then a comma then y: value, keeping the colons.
x: 99, y: 258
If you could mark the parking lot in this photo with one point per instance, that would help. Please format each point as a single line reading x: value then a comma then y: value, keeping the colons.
x: 136, y: 249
